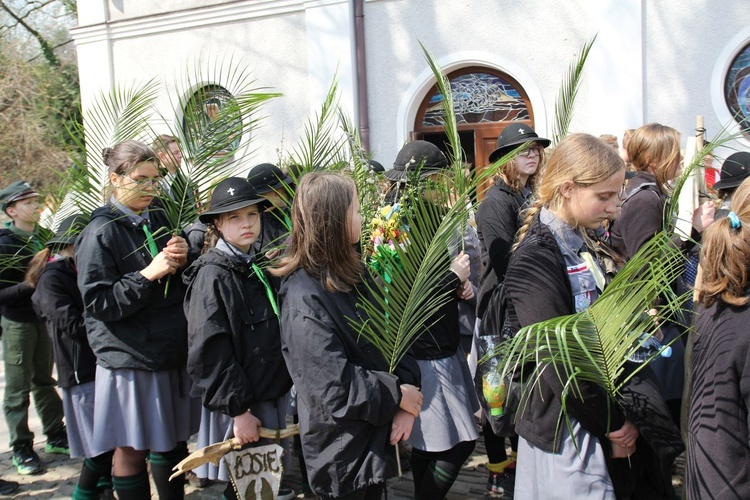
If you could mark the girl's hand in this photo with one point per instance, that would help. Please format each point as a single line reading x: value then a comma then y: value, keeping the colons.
x: 626, y: 436
x: 401, y: 427
x: 465, y: 291
x: 177, y: 250
x: 461, y: 267
x: 246, y: 428
x: 411, y: 399
x: 160, y: 267
x: 622, y: 451
x: 704, y: 216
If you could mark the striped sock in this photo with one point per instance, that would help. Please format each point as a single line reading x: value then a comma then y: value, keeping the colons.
x: 81, y: 494
x: 134, y: 487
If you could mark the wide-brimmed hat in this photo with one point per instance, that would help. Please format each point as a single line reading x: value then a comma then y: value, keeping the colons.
x: 19, y: 190
x: 228, y: 195
x: 734, y: 170
x: 376, y: 166
x: 421, y: 155
x: 267, y: 177
x: 513, y: 136
x: 69, y: 230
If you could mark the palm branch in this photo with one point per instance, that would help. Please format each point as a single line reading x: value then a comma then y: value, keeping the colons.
x: 568, y: 92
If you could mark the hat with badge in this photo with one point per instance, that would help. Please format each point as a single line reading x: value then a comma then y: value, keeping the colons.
x: 19, y: 190
x: 267, y: 177
x: 228, y: 195
x: 513, y: 136
x: 421, y: 155
x: 734, y: 170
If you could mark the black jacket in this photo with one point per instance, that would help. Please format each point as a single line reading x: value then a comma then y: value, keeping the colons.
x: 497, y: 224
x: 273, y: 233
x: 718, y: 450
x: 234, y: 346
x: 442, y: 336
x: 538, y: 289
x: 345, y: 396
x: 131, y: 321
x: 15, y: 295
x: 58, y: 303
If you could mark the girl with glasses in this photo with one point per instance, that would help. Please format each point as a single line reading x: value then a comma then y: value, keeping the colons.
x: 137, y: 328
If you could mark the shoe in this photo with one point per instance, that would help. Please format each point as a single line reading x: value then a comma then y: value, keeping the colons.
x: 7, y: 487
x: 285, y: 494
x: 501, y: 483
x: 26, y: 460
x: 58, y: 444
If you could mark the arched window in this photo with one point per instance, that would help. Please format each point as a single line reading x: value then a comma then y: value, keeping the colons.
x: 485, y: 101
x: 201, y: 116
x: 737, y: 89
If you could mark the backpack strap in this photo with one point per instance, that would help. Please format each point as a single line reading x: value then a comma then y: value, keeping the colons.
x: 642, y: 187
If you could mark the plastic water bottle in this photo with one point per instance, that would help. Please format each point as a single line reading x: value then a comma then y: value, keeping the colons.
x: 649, y: 349
x: 493, y: 389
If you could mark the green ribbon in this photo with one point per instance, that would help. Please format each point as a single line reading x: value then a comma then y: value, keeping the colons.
x: 150, y: 241
x: 267, y: 286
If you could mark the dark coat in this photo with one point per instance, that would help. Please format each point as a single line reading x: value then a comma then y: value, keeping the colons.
x: 131, y: 322
x: 497, y: 224
x: 718, y: 456
x: 273, y: 233
x: 58, y: 303
x: 234, y: 346
x: 15, y: 294
x: 538, y: 289
x: 345, y: 395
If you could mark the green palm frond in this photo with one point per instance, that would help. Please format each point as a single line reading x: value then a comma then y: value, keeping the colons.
x: 323, y: 146
x: 594, y: 345
x: 568, y: 92
x: 215, y: 120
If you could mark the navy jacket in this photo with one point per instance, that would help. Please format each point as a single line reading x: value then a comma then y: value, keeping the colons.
x: 58, y: 303
x: 131, y: 322
x: 234, y: 346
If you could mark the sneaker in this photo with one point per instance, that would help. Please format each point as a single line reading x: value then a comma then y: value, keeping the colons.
x: 57, y: 444
x: 7, y: 487
x: 501, y: 483
x: 26, y: 460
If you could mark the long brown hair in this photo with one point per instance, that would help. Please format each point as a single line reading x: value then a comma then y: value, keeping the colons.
x: 39, y: 262
x: 509, y: 174
x: 580, y: 158
x: 725, y: 255
x: 656, y: 148
x: 320, y: 232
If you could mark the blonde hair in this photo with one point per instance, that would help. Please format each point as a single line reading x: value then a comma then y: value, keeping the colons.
x: 656, y: 148
x: 725, y: 255
x: 320, y: 232
x: 579, y: 158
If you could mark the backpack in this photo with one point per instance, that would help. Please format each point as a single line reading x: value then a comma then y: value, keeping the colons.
x: 493, y: 329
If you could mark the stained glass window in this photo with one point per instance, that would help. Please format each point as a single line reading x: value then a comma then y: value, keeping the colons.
x: 210, y: 116
x: 478, y: 98
x: 737, y: 89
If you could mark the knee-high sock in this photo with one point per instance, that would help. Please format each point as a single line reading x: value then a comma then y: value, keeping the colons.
x: 134, y: 487
x: 442, y: 470
x: 92, y: 471
x: 161, y: 468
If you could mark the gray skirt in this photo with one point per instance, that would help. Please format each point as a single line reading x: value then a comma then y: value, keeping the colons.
x: 448, y: 407
x: 215, y: 428
x: 78, y: 405
x: 570, y: 473
x: 143, y: 410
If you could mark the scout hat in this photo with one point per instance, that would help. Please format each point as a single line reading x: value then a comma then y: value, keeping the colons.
x: 415, y: 155
x: 513, y: 136
x: 69, y: 230
x: 267, y: 177
x: 230, y: 194
x: 19, y: 190
x: 734, y: 170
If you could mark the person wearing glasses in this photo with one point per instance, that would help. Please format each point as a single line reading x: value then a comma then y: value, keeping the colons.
x: 129, y: 264
x: 497, y: 224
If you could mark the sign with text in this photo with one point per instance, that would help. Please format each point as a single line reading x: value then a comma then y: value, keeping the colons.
x: 256, y: 472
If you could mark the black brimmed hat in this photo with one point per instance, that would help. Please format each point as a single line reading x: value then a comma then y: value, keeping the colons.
x: 19, y: 190
x: 734, y: 170
x: 376, y: 166
x: 267, y: 177
x: 69, y: 230
x: 421, y: 155
x: 513, y: 136
x: 230, y: 194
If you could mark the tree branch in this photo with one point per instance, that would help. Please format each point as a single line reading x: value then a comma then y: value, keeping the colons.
x: 47, y: 50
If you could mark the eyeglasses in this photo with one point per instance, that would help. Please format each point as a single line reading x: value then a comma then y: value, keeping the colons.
x: 533, y: 149
x: 151, y: 182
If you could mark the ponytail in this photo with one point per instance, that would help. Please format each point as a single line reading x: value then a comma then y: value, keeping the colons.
x: 211, y: 237
x: 37, y: 265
